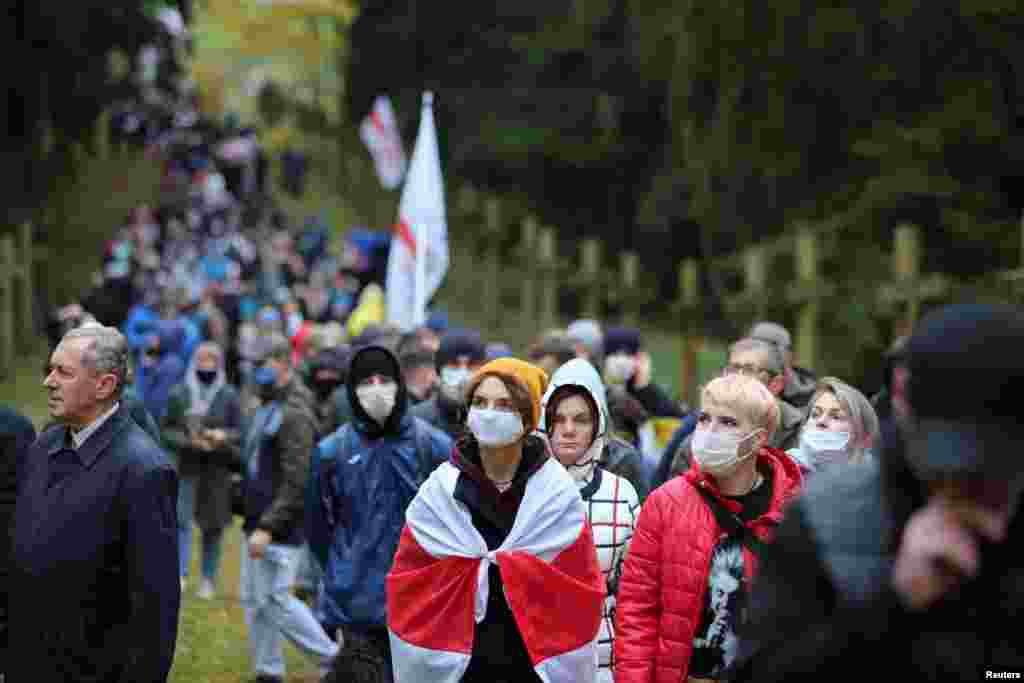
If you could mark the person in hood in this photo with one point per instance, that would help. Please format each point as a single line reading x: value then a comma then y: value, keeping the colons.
x: 202, y: 428
x: 162, y: 367
x: 912, y: 563
x: 800, y: 382
x: 575, y: 418
x: 496, y: 577
x: 328, y: 371
x: 364, y: 476
x: 578, y: 377
x: 460, y: 356
x: 276, y: 451
x: 841, y: 428
x: 683, y: 589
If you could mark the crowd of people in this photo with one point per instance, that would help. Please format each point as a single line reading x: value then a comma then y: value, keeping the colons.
x: 423, y: 506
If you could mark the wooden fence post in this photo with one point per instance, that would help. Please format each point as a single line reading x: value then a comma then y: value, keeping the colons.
x: 906, y: 267
x: 689, y: 305
x: 630, y: 277
x: 590, y: 267
x: 807, y: 317
x: 528, y: 259
x: 754, y: 277
x: 7, y: 268
x: 26, y: 324
x: 491, y: 238
x: 548, y: 309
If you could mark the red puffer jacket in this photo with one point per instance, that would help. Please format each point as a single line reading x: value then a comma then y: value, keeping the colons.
x: 661, y: 593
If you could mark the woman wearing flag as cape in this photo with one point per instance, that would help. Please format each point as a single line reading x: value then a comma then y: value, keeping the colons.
x: 496, y: 576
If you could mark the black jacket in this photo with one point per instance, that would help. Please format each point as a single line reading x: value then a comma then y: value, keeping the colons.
x: 822, y: 607
x: 16, y: 435
x: 94, y: 590
x: 283, y: 445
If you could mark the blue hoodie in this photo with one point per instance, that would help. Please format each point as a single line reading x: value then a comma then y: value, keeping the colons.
x: 155, y: 382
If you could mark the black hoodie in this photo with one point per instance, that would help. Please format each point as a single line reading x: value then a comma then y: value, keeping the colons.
x: 822, y: 607
x: 367, y: 361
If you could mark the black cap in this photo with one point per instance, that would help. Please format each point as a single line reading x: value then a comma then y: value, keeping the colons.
x: 621, y: 340
x: 966, y: 375
x: 456, y: 343
x: 373, y: 360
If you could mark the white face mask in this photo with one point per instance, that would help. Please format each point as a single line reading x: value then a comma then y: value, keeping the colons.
x: 495, y: 428
x: 378, y: 400
x: 719, y: 453
x: 825, y: 447
x: 453, y: 381
x: 619, y: 369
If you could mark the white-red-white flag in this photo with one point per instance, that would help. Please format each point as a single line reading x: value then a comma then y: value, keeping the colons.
x: 379, y: 131
x: 418, y: 259
x: 438, y: 590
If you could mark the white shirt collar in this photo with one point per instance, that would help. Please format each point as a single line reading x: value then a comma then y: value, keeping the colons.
x: 78, y: 438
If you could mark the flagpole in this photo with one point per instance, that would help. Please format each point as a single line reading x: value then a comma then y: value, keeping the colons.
x: 422, y: 233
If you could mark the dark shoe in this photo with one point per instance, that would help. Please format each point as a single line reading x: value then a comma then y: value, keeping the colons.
x: 263, y: 678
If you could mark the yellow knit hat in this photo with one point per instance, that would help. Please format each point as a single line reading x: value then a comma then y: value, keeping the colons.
x: 526, y: 375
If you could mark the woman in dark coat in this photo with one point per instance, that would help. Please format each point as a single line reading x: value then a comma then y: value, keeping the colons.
x: 203, y: 429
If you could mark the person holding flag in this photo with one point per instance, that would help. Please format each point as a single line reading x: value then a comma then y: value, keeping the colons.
x: 418, y: 257
x: 496, y: 577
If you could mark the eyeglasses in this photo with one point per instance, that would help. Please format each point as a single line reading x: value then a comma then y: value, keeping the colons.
x: 748, y: 370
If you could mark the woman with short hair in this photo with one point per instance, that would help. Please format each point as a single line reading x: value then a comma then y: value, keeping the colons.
x: 686, y: 577
x: 841, y: 428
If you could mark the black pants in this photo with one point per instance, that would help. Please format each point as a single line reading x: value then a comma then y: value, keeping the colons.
x: 365, y: 657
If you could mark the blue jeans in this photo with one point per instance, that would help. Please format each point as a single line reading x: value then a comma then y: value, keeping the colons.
x: 273, y: 613
x: 212, y: 538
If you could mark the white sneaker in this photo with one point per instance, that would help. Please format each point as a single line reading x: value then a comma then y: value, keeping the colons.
x: 184, y: 583
x: 206, y: 590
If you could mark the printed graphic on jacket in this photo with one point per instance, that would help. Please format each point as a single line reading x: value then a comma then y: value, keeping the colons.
x: 715, y: 643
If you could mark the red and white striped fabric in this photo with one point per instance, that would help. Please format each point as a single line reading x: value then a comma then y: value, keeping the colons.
x: 437, y: 589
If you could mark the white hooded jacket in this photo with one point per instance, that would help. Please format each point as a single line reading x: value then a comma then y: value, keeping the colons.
x: 612, y: 502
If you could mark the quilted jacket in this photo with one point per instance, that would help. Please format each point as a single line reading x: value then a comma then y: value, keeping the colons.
x: 665, y: 577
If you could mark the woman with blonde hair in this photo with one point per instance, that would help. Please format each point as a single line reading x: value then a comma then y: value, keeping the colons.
x: 686, y: 578
x: 841, y: 428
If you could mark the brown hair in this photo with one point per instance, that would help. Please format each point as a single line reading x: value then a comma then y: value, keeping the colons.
x: 520, y: 396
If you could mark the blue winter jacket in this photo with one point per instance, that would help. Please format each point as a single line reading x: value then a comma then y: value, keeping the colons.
x: 355, y: 516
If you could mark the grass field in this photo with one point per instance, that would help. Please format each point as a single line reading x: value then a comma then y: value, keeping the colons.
x: 213, y: 644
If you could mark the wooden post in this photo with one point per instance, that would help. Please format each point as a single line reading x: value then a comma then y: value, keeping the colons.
x: 590, y: 266
x: 492, y: 254
x: 630, y: 277
x: 6, y: 304
x: 906, y: 266
x: 528, y: 258
x: 548, y: 310
x: 807, y: 317
x: 26, y: 324
x: 689, y: 302
x: 754, y: 277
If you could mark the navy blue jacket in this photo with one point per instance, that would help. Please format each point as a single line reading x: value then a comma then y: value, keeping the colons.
x: 363, y: 478
x: 16, y: 435
x: 94, y: 592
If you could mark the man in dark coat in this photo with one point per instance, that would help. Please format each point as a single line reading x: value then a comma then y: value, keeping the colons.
x: 912, y: 566
x: 16, y: 435
x: 94, y: 591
